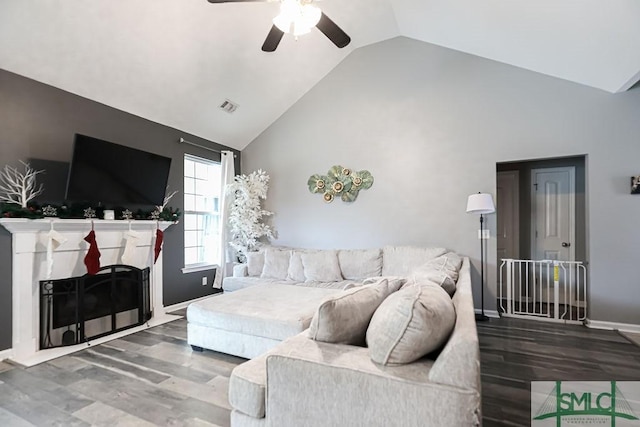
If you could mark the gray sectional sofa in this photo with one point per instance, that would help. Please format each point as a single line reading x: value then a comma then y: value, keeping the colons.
x: 295, y: 379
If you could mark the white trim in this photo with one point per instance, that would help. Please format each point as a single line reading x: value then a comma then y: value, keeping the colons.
x: 489, y: 313
x: 24, y: 225
x: 185, y: 304
x: 6, y: 354
x: 615, y: 326
x: 543, y: 319
x: 196, y: 268
x: 513, y: 178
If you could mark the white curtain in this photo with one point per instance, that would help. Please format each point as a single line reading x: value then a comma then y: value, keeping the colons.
x: 227, y: 173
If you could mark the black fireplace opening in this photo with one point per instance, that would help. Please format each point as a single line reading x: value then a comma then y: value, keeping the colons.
x: 78, y: 309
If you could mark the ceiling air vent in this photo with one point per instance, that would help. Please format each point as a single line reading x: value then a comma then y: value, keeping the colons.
x: 228, y: 106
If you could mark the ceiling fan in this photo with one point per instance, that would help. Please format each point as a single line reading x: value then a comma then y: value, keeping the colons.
x: 298, y: 17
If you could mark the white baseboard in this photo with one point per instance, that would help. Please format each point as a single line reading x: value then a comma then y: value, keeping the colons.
x: 6, y: 354
x: 615, y: 326
x: 185, y: 304
x: 489, y: 313
x: 543, y: 319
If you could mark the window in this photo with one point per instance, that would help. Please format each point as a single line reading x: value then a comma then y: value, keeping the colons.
x: 201, y: 213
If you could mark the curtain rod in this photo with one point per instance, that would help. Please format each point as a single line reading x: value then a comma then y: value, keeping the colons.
x: 184, y: 141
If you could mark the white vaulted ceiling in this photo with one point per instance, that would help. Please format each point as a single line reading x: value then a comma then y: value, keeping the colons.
x: 174, y: 62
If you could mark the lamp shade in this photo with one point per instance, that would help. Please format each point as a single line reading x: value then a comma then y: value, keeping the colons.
x: 480, y: 203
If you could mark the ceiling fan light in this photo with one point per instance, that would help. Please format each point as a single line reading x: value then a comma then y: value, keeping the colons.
x: 311, y: 15
x: 296, y: 18
x: 299, y: 30
x: 283, y: 23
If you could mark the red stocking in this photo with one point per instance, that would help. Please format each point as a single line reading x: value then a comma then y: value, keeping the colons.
x: 92, y: 259
x: 158, y: 246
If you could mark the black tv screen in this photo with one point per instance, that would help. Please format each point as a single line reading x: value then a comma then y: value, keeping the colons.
x: 103, y: 172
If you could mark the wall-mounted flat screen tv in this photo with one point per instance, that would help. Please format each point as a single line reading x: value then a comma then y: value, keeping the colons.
x: 102, y: 172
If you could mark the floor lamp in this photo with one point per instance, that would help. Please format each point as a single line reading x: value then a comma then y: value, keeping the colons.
x: 481, y: 204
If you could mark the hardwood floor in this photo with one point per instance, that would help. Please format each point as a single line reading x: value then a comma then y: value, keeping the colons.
x: 515, y: 352
x: 153, y: 378
x: 150, y: 378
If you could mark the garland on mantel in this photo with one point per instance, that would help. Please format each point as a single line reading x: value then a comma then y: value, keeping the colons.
x: 81, y: 211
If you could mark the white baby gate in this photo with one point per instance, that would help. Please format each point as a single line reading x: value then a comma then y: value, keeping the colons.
x: 544, y: 290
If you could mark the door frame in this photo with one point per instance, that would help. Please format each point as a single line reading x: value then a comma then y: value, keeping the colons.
x: 514, y: 177
x: 572, y: 208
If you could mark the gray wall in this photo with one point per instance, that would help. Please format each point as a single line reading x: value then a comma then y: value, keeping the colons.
x: 431, y: 124
x: 39, y: 121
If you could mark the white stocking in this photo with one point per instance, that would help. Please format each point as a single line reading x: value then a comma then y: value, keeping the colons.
x: 54, y: 240
x: 129, y: 254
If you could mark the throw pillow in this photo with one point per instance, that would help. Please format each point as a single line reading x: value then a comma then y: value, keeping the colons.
x: 344, y: 318
x: 393, y: 283
x: 276, y: 264
x: 402, y: 260
x: 255, y: 263
x: 321, y: 266
x: 409, y: 324
x: 442, y: 270
x: 296, y: 269
x: 360, y: 263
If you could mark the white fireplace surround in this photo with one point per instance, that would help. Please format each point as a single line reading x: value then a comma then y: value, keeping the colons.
x: 29, y: 263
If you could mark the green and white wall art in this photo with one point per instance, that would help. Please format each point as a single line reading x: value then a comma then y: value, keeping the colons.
x: 340, y: 182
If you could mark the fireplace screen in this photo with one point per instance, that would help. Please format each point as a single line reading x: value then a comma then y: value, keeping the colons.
x: 79, y: 309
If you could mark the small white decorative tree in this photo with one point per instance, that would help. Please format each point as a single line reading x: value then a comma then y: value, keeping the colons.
x: 246, y: 213
x: 18, y: 187
x: 161, y: 207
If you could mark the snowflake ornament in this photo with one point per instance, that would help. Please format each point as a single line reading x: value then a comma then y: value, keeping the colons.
x: 49, y: 211
x: 127, y: 214
x: 89, y: 213
x: 155, y: 215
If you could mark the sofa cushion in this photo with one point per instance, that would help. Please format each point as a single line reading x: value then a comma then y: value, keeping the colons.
x: 321, y: 266
x: 344, y: 318
x: 342, y: 284
x: 296, y: 269
x: 360, y: 263
x: 442, y: 270
x: 276, y: 264
x: 394, y: 283
x: 255, y: 263
x: 402, y: 260
x: 410, y: 323
x: 231, y: 284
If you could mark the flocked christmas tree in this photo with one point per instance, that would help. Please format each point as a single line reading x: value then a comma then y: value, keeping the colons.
x: 246, y: 214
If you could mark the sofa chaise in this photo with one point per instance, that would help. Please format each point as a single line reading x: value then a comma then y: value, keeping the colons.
x: 274, y: 295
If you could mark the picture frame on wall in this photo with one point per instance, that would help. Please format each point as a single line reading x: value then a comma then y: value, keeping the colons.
x: 635, y: 184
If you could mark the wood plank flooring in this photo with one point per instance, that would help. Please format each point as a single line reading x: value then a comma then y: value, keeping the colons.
x: 515, y: 352
x: 152, y: 378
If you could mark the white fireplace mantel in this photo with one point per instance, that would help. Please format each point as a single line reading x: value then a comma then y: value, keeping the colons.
x: 29, y: 265
x: 23, y: 225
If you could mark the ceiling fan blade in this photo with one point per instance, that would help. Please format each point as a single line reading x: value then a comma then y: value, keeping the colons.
x: 333, y: 32
x: 273, y: 39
